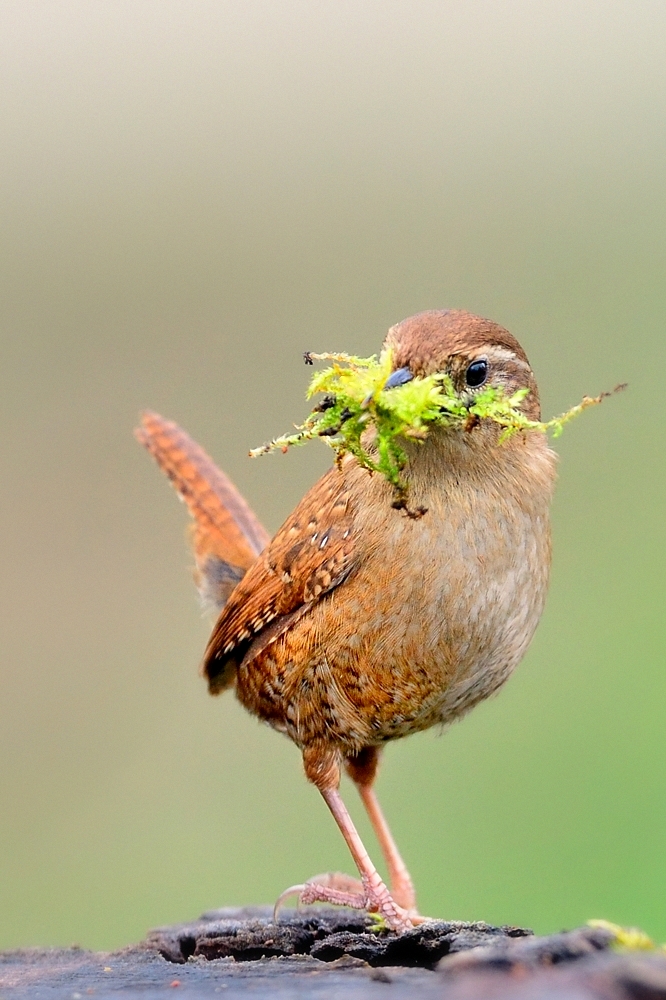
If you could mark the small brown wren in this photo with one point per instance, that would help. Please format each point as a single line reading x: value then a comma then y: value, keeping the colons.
x: 356, y: 624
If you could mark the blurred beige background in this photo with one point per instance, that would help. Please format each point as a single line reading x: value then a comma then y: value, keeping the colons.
x: 192, y: 194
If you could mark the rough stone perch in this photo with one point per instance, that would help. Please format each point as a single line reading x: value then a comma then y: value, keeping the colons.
x: 329, y: 953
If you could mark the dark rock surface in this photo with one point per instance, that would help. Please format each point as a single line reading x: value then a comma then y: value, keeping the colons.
x: 325, y: 934
x: 327, y: 954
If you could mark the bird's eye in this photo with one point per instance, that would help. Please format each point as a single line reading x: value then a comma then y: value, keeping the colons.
x: 476, y: 374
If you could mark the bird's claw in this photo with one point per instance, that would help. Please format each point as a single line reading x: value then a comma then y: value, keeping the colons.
x: 330, y: 887
x: 342, y: 890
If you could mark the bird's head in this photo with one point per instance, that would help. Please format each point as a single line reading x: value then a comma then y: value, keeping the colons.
x: 476, y: 353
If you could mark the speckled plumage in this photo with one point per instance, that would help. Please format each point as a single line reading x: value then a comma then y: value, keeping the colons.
x: 358, y: 624
x: 433, y: 614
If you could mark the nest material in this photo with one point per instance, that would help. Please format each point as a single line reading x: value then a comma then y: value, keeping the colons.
x: 358, y: 416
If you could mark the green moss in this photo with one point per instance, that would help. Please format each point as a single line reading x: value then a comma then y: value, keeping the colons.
x: 354, y: 401
x: 627, y: 938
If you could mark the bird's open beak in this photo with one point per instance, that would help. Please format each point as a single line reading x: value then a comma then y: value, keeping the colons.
x: 398, y: 377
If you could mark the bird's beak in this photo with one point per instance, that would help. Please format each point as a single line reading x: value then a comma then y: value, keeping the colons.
x: 396, y: 378
x: 399, y: 377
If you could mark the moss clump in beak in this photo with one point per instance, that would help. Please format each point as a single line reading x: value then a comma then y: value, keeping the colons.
x: 368, y: 409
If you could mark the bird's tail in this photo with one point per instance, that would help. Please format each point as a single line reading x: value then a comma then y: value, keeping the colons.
x: 226, y: 535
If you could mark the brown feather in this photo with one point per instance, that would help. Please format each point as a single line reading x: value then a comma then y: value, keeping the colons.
x: 226, y: 535
x: 426, y: 341
x: 311, y: 554
x: 358, y: 625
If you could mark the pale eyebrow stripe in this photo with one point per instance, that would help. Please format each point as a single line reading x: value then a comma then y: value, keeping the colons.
x: 497, y: 353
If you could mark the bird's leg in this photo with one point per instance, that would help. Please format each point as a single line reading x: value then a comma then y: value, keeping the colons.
x: 322, y: 768
x: 362, y: 769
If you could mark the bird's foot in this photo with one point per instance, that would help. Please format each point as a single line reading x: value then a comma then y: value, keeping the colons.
x: 331, y: 887
x: 343, y: 890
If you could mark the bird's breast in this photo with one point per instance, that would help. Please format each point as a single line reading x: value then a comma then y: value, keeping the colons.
x: 434, y: 618
x: 445, y: 607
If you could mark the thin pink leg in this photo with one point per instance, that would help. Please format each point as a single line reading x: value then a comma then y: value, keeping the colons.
x: 378, y: 898
x: 322, y: 767
x: 362, y: 769
x: 402, y: 887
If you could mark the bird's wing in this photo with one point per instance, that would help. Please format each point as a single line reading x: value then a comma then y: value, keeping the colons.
x: 312, y: 553
x: 226, y: 535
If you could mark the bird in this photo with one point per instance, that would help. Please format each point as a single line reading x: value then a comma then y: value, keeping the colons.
x: 358, y: 624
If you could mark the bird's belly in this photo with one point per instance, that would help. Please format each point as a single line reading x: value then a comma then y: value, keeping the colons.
x: 407, y: 651
x: 465, y: 622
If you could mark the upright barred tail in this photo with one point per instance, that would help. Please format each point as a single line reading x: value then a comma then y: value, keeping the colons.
x: 226, y: 535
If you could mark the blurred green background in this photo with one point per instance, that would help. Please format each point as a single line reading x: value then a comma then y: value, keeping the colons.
x: 193, y: 193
